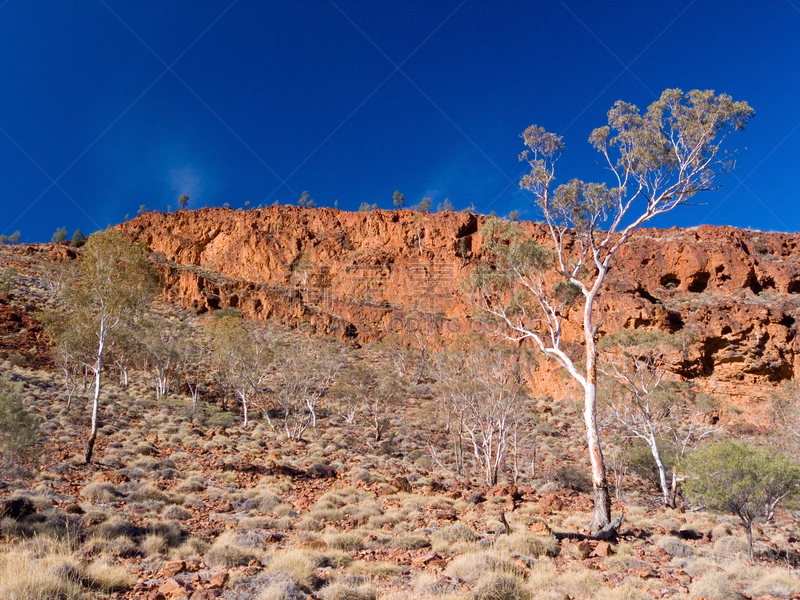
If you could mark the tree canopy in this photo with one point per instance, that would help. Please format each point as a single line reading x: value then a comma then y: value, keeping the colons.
x: 656, y: 161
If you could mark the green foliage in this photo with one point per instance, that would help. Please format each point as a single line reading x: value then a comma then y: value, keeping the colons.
x: 78, y: 239
x: 111, y: 285
x: 424, y: 205
x: 633, y: 340
x: 3, y: 240
x: 398, y: 199
x: 572, y: 478
x: 14, y: 238
x: 306, y: 201
x: 509, y: 258
x: 740, y: 479
x: 183, y: 200
x: 7, y: 281
x: 60, y: 235
x: 513, y: 215
x: 142, y: 210
x: 19, y: 431
x: 642, y: 462
x: 364, y: 207
x: 667, y: 155
x: 445, y: 206
x: 228, y: 311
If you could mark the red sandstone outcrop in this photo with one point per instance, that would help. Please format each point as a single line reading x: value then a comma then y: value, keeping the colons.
x: 366, y: 274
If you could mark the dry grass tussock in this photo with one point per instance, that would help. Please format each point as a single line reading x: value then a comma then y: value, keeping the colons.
x: 329, y: 517
x: 45, y: 568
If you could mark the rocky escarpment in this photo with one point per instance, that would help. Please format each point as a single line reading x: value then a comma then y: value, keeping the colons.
x: 368, y: 274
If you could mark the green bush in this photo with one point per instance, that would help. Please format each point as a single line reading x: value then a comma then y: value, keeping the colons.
x: 740, y: 479
x: 19, y: 431
x: 573, y: 478
x: 641, y: 461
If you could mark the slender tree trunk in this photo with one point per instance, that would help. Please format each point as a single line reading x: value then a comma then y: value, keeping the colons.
x: 748, y: 528
x: 662, y: 474
x: 89, y: 451
x: 602, y: 497
x: 244, y: 407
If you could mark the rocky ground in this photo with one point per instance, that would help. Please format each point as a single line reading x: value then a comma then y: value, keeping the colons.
x: 184, y: 503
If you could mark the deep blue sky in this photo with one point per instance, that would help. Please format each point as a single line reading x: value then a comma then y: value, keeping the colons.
x: 126, y: 103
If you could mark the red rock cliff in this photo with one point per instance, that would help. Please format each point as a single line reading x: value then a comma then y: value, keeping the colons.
x: 366, y: 274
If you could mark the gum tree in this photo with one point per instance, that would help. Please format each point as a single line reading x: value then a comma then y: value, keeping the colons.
x: 656, y: 161
x: 644, y: 404
x: 113, y: 285
x: 245, y: 352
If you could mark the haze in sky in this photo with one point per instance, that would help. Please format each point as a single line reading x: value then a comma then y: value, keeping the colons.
x: 109, y: 105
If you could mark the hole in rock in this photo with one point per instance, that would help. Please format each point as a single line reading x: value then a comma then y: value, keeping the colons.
x: 670, y: 281
x: 699, y: 282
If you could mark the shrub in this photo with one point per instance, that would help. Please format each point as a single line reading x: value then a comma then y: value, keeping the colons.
x: 499, y: 586
x: 19, y: 431
x: 573, y: 478
x: 342, y: 590
x: 299, y: 564
x: 227, y: 553
x: 746, y: 481
x: 675, y: 547
x: 349, y: 541
x: 715, y: 586
x: 644, y: 465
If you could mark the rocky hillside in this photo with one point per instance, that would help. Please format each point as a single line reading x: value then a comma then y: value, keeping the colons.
x: 368, y: 274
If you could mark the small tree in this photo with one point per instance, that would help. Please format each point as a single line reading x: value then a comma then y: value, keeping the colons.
x: 78, y: 239
x: 483, y: 391
x: 60, y: 235
x: 142, y: 210
x: 303, y: 377
x: 746, y: 481
x: 13, y: 238
x: 306, y: 201
x: 245, y: 353
x: 162, y: 343
x: 657, y: 161
x: 113, y: 285
x: 424, y: 205
x: 371, y: 390
x: 445, y: 206
x: 183, y: 201
x: 643, y: 405
x: 398, y: 199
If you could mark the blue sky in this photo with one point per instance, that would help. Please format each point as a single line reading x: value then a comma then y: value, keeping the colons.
x: 107, y: 105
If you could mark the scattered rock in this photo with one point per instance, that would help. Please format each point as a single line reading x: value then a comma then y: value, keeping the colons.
x: 602, y: 549
x: 115, y: 477
x: 219, y: 580
x: 172, y: 568
x: 425, y: 558
x: 551, y: 503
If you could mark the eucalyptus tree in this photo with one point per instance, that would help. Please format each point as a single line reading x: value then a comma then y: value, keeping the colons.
x: 656, y: 161
x: 245, y: 352
x: 371, y: 390
x: 644, y: 403
x: 484, y: 392
x: 305, y: 374
x: 112, y: 285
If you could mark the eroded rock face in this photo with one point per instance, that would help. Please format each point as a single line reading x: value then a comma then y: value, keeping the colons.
x: 364, y: 275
